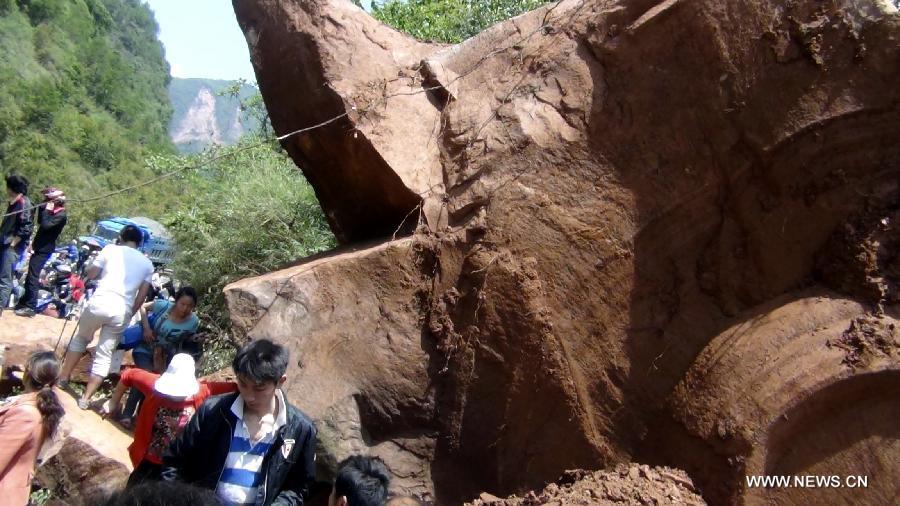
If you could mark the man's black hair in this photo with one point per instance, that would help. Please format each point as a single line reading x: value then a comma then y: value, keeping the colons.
x: 131, y: 233
x: 163, y: 493
x: 362, y: 480
x: 17, y: 183
x: 186, y: 291
x: 261, y: 361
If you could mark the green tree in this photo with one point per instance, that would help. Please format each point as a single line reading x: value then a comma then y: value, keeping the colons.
x: 448, y: 21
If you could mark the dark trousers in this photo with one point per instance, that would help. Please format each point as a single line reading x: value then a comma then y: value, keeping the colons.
x: 141, y: 361
x: 8, y: 259
x: 33, y: 281
x: 145, y: 471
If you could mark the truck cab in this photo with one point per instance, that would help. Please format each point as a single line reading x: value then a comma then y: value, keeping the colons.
x: 157, y: 243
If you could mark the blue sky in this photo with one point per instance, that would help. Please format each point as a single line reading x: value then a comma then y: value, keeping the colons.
x: 202, y: 39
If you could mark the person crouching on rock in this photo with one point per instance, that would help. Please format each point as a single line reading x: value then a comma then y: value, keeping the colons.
x: 170, y: 400
x: 124, y: 279
x: 173, y: 323
x: 252, y: 447
x: 360, y: 481
x: 29, y: 426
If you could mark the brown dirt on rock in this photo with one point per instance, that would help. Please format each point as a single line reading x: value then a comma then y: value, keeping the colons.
x: 863, y: 257
x: 867, y: 339
x: 626, y: 484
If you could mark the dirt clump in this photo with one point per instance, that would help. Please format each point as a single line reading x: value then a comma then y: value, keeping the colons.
x: 868, y: 338
x: 626, y: 484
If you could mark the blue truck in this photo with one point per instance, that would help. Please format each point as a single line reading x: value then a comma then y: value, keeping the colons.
x: 157, y: 244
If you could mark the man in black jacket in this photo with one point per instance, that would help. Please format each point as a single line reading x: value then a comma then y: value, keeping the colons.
x: 51, y: 220
x: 15, y: 231
x: 251, y: 447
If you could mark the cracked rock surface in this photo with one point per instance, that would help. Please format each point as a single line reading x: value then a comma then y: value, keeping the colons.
x: 600, y: 232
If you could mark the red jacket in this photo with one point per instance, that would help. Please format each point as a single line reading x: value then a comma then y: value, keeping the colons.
x: 160, y: 419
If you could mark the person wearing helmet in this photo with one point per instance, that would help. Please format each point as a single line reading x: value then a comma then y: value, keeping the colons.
x: 51, y: 217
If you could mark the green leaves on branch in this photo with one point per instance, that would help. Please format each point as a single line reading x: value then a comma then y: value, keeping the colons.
x: 448, y: 21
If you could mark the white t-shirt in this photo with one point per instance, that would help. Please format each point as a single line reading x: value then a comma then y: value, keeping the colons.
x: 123, y: 269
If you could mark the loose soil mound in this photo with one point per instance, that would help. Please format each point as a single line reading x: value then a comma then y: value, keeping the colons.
x: 627, y: 484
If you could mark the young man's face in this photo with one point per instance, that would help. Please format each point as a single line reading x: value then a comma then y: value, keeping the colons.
x: 257, y: 396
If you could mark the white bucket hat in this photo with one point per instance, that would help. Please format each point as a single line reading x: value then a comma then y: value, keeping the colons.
x: 179, y: 379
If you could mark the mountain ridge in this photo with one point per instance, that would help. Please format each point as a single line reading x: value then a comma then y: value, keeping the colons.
x: 208, y: 112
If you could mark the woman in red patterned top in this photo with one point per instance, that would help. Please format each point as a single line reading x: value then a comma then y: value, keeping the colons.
x: 169, y: 403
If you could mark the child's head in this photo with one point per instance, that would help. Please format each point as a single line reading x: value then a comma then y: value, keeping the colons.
x: 360, y: 481
x: 260, y: 369
x: 180, y: 379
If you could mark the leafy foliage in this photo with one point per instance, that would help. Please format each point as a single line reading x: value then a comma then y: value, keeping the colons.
x: 247, y: 212
x: 83, y: 101
x: 448, y: 21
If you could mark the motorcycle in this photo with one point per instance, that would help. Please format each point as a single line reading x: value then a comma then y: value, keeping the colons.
x: 61, y: 290
x: 88, y: 251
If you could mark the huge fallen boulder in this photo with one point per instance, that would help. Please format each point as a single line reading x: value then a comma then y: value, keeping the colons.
x: 553, y: 233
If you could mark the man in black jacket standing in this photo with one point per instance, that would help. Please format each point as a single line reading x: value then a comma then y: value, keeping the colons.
x: 251, y: 447
x: 15, y: 231
x: 51, y: 220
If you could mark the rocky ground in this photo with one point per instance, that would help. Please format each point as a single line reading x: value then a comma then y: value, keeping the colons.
x: 94, y: 459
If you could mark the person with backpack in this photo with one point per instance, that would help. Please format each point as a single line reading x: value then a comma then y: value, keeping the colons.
x: 29, y: 425
x: 51, y: 218
x: 15, y: 231
x: 165, y: 326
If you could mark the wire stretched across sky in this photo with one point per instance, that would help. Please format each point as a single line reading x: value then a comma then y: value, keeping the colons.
x: 545, y: 24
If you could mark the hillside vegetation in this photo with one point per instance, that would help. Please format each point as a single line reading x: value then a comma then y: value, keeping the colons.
x: 83, y: 101
x: 247, y: 211
x: 448, y: 21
